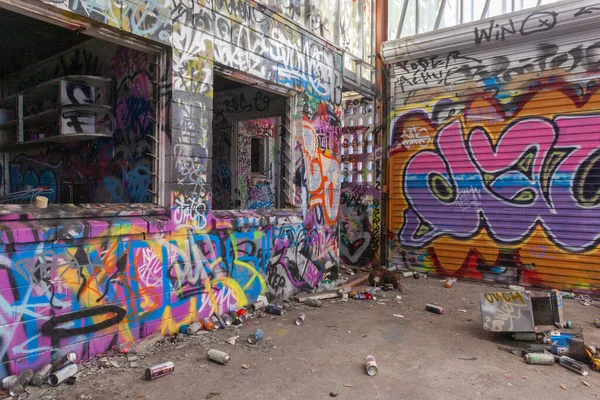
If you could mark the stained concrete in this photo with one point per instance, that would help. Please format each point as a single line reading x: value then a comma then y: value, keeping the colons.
x: 420, y: 356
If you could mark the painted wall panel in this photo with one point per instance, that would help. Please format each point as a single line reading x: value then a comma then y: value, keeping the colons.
x: 494, y: 150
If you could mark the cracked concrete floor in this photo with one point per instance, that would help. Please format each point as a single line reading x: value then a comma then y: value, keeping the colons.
x: 420, y: 356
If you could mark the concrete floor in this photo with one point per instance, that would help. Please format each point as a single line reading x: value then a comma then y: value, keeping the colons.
x: 420, y: 356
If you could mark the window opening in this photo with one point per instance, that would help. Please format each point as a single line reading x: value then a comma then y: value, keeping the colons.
x: 78, y: 116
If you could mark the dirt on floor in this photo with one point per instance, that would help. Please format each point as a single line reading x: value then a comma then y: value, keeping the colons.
x: 420, y: 355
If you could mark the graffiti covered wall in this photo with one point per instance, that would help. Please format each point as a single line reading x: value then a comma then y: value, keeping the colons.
x: 494, y: 151
x: 93, y: 276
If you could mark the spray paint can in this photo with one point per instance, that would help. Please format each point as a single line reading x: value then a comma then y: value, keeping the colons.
x: 276, y: 310
x: 183, y: 328
x: 539, y: 359
x: 434, y: 309
x: 257, y: 306
x: 20, y: 383
x: 371, y: 366
x: 208, y: 325
x: 227, y: 319
x: 598, y: 322
x: 70, y: 357
x: 218, y: 356
x: 240, y: 312
x: 568, y: 295
x: 300, y: 319
x: 62, y: 374
x: 368, y: 296
x: 449, y: 282
x: 243, y: 317
x: 235, y: 318
x: 8, y: 381
x: 313, y: 302
x: 256, y: 336
x: 216, y: 321
x: 524, y: 336
x: 122, y: 347
x: 574, y: 365
x: 40, y: 377
x: 159, y: 370
x: 193, y: 328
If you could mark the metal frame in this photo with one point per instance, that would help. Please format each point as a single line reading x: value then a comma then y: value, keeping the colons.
x: 512, y: 4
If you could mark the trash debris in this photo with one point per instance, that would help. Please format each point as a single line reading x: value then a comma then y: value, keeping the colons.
x: 19, y: 385
x: 592, y: 357
x: 598, y: 322
x: 313, y: 302
x: 208, y: 324
x: 62, y: 374
x: 159, y: 370
x: 211, y: 395
x: 133, y: 364
x: 468, y: 358
x: 461, y: 310
x: 586, y: 383
x: 568, y: 324
x: 524, y: 336
x: 122, y: 347
x: 539, y: 359
x: 563, y: 387
x: 194, y: 327
x: 434, y: 309
x: 348, y: 385
x: 242, y: 315
x: 8, y: 381
x: 245, y: 366
x: 257, y: 306
x: 398, y: 298
x: 70, y: 357
x: 398, y: 315
x: 449, y: 282
x: 333, y: 394
x: 275, y: 310
x: 574, y: 365
x: 218, y: 356
x: 256, y: 336
x: 235, y: 318
x: 149, y: 342
x: 371, y: 366
x: 381, y: 276
x: 300, y: 319
x: 407, y: 274
x: 232, y: 340
x: 40, y: 377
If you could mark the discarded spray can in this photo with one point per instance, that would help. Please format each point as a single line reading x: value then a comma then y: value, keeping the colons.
x: 223, y: 325
x: 40, y: 377
x: 407, y: 274
x: 20, y: 383
x: 368, y: 296
x: 122, y: 347
x: 598, y: 322
x: 240, y: 312
x: 256, y: 336
x: 568, y: 295
x: 574, y: 365
x: 62, y: 374
x: 183, y: 328
x: 193, y: 328
x: 70, y: 357
x: 234, y: 318
x: 257, y: 306
x: 524, y: 336
x: 159, y: 370
x: 276, y: 310
x: 8, y: 381
x: 243, y: 318
x: 216, y: 321
x: 371, y: 366
x: 227, y: 319
x: 434, y: 309
x: 218, y: 356
x: 313, y: 302
x: 539, y: 359
x: 449, y: 282
x: 208, y: 324
x: 300, y: 319
x: 568, y: 324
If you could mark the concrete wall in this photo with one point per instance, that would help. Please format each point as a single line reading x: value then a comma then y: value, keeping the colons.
x: 494, y: 149
x: 87, y: 277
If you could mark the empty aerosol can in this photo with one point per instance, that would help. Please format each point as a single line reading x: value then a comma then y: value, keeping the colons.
x: 257, y: 306
x: 8, y: 381
x: 300, y: 319
x: 227, y: 319
x: 235, y: 318
x: 216, y: 321
x: 218, y: 356
x: 159, y: 370
x: 256, y: 336
x: 574, y: 365
x: 371, y: 366
x: 276, y: 310
x: 434, y: 309
x: 62, y: 374
x: 20, y: 383
x: 313, y: 302
x: 539, y: 358
x: 70, y: 357
x: 193, y: 328
x: 242, y: 316
x: 208, y: 324
x: 40, y: 377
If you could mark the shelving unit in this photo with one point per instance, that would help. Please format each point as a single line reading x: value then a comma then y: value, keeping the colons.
x: 63, y: 110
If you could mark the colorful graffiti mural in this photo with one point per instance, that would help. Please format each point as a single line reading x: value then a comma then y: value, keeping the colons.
x: 508, y: 198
